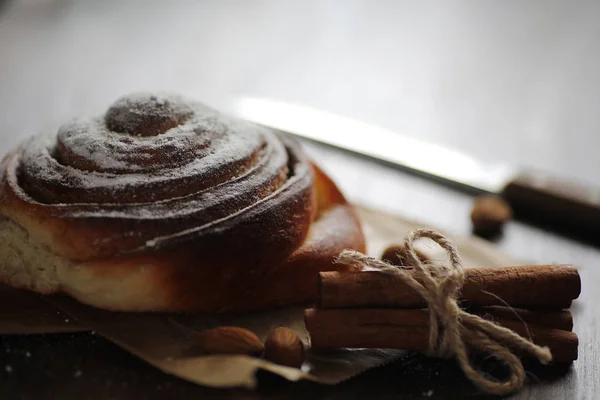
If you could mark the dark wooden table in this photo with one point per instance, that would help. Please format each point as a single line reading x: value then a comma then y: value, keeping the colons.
x: 512, y: 82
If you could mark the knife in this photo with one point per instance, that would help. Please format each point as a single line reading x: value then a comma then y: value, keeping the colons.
x: 532, y: 194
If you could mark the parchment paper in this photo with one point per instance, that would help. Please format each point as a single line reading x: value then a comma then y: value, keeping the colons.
x: 166, y: 341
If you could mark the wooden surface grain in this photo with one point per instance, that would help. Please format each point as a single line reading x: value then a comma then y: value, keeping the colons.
x: 508, y: 81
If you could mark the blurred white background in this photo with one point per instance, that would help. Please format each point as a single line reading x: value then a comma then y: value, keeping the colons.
x: 512, y: 81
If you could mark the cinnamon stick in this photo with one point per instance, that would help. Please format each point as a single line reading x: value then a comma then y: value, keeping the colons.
x: 409, y: 330
x: 532, y: 286
x: 562, y: 319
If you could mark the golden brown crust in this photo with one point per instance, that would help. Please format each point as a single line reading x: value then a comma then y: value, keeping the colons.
x: 228, y: 226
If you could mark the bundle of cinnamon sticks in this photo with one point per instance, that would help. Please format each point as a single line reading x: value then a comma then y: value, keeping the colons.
x: 373, y: 309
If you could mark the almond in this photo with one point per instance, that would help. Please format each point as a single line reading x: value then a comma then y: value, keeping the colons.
x: 230, y: 340
x: 489, y: 214
x: 284, y: 347
x: 396, y: 255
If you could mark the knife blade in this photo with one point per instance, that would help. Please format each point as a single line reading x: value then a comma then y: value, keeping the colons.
x: 532, y: 194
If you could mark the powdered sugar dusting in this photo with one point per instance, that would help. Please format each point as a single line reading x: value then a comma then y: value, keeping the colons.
x: 205, y: 169
x: 225, y: 150
x: 91, y: 156
x: 135, y: 112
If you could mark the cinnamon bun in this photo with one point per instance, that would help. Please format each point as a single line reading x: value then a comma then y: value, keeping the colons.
x: 164, y: 204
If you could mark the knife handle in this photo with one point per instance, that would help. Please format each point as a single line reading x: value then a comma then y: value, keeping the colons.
x: 565, y: 204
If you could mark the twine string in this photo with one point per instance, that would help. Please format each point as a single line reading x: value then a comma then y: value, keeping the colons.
x: 453, y: 332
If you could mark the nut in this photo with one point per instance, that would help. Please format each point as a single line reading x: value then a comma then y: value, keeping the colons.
x: 284, y: 347
x: 230, y: 340
x: 396, y: 254
x: 489, y: 214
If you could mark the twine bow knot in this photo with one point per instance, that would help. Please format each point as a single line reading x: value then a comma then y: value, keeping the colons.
x: 452, y: 330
